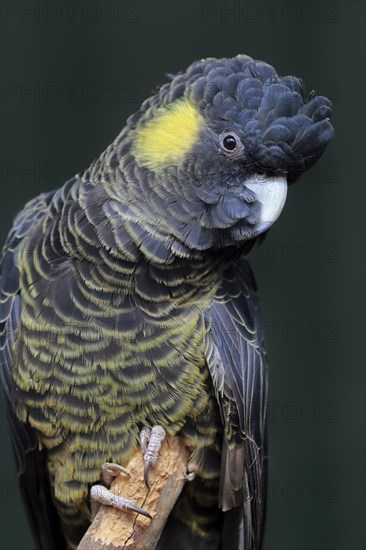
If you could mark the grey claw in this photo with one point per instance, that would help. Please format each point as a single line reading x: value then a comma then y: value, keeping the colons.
x: 155, y: 439
x: 191, y: 471
x: 133, y: 508
x: 111, y: 470
x: 144, y: 438
x: 101, y: 494
x: 147, y: 466
x: 110, y: 467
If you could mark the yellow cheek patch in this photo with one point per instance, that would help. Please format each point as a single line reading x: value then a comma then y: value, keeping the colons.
x: 166, y: 138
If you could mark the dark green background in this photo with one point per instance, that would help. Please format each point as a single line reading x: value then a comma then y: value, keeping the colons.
x: 311, y: 270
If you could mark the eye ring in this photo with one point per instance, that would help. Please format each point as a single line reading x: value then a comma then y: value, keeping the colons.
x: 230, y: 143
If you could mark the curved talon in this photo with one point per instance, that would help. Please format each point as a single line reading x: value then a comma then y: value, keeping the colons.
x: 191, y: 471
x: 110, y: 470
x: 144, y: 438
x: 147, y: 466
x: 133, y: 508
x: 190, y: 476
x: 101, y: 494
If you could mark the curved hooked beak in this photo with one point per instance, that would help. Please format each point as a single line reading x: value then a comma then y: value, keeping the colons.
x: 271, y: 192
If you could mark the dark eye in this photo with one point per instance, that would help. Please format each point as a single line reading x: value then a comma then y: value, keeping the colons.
x: 231, y: 143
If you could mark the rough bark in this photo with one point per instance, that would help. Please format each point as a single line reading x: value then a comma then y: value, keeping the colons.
x: 113, y: 529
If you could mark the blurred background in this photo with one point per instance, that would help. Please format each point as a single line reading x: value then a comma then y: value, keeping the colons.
x: 71, y: 74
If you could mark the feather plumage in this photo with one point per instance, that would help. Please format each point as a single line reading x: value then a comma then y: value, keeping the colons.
x: 126, y: 300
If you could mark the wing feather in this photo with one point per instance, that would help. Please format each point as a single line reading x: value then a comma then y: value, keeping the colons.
x: 237, y: 362
x: 30, y: 461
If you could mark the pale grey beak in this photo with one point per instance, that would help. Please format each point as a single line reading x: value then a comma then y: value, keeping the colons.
x: 271, y: 192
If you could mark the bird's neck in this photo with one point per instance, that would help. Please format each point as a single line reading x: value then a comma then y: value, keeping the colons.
x: 98, y: 228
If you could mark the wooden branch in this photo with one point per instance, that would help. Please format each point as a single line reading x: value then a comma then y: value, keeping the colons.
x: 116, y: 530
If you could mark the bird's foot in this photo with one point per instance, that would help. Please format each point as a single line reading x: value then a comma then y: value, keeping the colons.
x: 150, y: 441
x: 100, y: 494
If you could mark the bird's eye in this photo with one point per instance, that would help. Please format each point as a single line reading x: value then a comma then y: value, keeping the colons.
x: 230, y: 142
